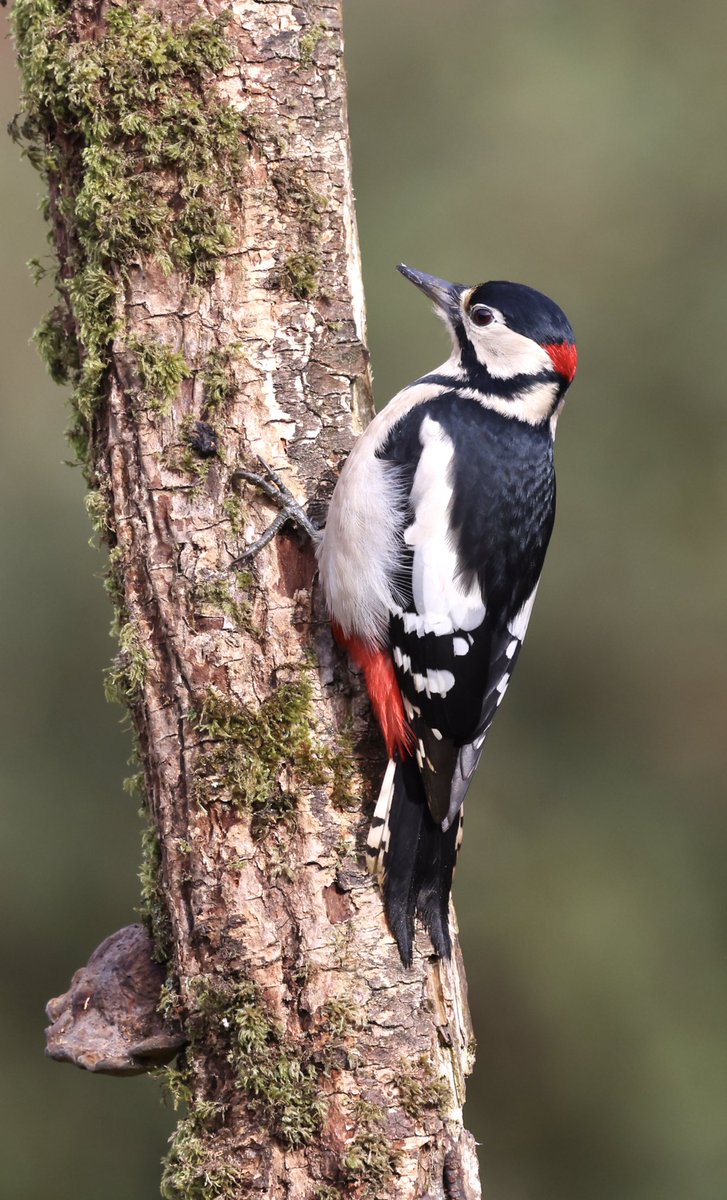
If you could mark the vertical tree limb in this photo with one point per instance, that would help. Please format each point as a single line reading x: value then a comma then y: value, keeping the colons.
x: 210, y: 309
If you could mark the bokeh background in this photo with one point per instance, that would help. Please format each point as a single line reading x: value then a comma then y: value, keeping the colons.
x: 581, y: 148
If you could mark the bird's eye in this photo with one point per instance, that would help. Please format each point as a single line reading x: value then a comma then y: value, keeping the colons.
x: 481, y: 315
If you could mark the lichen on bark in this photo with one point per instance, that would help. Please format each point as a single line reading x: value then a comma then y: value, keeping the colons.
x: 209, y: 310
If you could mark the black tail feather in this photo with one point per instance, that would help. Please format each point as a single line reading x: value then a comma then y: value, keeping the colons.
x: 420, y: 861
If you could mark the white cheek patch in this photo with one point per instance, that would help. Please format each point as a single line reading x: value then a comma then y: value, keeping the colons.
x: 505, y: 353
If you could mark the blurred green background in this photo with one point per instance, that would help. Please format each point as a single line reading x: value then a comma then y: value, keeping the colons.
x: 580, y: 148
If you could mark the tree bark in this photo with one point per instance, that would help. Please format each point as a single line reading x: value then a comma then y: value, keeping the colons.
x: 316, y: 1064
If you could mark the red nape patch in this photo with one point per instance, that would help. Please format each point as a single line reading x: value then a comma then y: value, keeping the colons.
x: 564, y: 356
x: 384, y: 691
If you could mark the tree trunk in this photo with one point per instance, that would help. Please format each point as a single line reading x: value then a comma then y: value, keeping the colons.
x: 210, y: 310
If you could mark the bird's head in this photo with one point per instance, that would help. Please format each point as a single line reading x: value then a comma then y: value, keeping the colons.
x: 503, y: 331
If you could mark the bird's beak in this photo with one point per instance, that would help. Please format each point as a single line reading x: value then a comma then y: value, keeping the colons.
x: 445, y: 295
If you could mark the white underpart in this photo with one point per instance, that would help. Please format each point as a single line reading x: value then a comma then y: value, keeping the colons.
x: 358, y: 553
x: 437, y: 590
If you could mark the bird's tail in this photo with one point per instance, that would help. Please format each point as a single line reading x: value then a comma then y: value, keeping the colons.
x: 412, y: 858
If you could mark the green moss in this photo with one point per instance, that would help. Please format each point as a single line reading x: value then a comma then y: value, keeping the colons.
x: 296, y: 196
x: 57, y: 346
x: 133, y: 785
x: 161, y: 371
x: 153, y: 907
x: 337, y: 1021
x: 342, y: 764
x: 113, y: 581
x: 300, y: 274
x: 124, y: 679
x: 191, y: 1172
x: 250, y: 749
x: 170, y: 1007
x: 279, y: 1087
x: 309, y: 42
x: 420, y: 1088
x: 235, y: 513
x: 230, y: 1018
x: 218, y: 594
x: 218, y: 381
x: 340, y: 1016
x: 370, y: 1159
x: 143, y: 159
x: 97, y: 503
x: 176, y: 1079
x: 190, y: 1168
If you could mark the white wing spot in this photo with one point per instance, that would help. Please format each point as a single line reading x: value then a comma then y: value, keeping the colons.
x: 436, y: 683
x: 439, y: 682
x: 460, y: 645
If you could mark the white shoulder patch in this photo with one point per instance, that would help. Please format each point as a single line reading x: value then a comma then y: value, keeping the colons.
x: 439, y: 597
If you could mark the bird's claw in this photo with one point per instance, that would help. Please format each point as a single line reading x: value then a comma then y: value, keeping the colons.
x: 290, y: 510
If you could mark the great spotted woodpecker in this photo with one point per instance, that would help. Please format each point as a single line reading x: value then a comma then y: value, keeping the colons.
x: 430, y: 561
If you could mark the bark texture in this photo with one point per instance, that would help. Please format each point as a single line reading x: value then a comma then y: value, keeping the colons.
x: 317, y: 1065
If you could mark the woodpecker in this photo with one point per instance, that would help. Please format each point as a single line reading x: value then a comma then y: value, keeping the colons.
x: 430, y: 560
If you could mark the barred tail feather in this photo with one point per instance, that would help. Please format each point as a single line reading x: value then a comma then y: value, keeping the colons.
x: 378, y: 840
x: 413, y: 859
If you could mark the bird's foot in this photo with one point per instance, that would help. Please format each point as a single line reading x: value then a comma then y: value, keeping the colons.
x: 290, y: 510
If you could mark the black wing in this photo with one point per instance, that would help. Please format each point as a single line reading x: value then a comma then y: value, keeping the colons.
x: 482, y: 503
